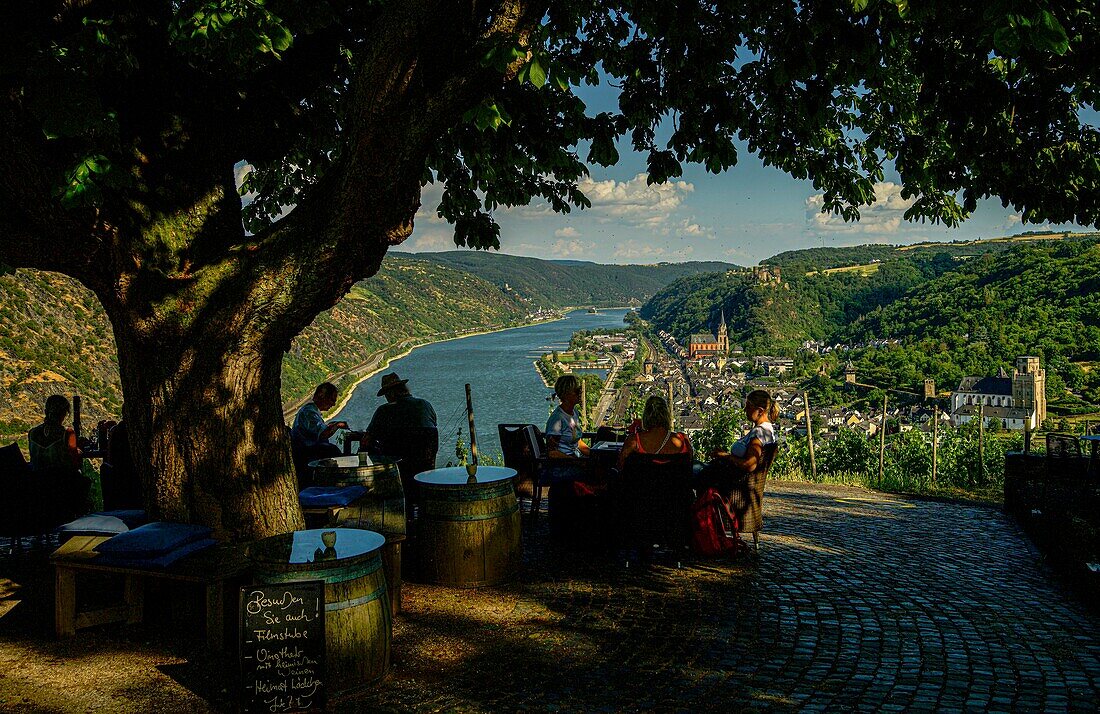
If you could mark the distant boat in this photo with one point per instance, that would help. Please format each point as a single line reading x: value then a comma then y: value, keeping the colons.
x: 592, y: 311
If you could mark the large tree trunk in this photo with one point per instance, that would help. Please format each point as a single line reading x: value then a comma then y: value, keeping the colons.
x: 206, y: 429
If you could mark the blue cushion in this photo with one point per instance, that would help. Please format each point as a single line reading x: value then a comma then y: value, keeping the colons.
x: 161, y: 561
x: 329, y: 496
x: 153, y: 540
x: 132, y: 518
x: 97, y: 524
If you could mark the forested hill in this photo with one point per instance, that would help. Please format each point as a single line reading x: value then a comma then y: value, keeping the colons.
x: 953, y: 316
x: 808, y: 259
x: 1040, y: 299
x: 550, y: 283
x: 55, y: 338
x: 779, y: 316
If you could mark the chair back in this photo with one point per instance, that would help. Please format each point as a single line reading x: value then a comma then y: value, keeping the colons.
x: 747, y: 495
x: 519, y: 445
x: 654, y: 497
x: 611, y: 433
x: 1063, y: 446
x: 414, y: 448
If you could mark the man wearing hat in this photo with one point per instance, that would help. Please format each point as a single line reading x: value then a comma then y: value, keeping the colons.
x: 404, y: 428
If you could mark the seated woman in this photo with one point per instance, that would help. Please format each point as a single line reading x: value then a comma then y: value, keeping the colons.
x: 745, y: 454
x: 563, y: 429
x: 57, y: 459
x: 52, y: 444
x: 656, y: 435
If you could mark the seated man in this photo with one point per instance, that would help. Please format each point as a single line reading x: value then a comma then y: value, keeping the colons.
x: 404, y: 428
x: 309, y: 436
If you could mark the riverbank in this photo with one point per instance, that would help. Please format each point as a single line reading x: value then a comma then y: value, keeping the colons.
x: 378, y: 361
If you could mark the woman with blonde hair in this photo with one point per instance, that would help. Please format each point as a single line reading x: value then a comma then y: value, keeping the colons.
x: 563, y: 428
x: 656, y: 435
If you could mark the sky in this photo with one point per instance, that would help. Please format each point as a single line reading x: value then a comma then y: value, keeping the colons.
x: 742, y: 216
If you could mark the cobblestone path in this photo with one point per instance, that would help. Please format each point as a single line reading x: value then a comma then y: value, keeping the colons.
x: 857, y: 601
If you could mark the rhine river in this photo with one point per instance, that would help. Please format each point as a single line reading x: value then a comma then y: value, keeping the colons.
x: 506, y: 388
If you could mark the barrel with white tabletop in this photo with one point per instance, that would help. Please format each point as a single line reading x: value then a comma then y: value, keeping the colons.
x: 357, y: 605
x: 469, y: 532
x: 382, y: 508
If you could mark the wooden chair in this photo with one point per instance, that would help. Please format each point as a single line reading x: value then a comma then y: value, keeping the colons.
x: 524, y: 449
x: 652, y: 500
x: 747, y: 496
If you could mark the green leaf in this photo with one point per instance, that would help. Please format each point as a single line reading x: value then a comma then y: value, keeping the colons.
x: 859, y: 5
x: 281, y: 38
x: 1049, y: 34
x: 536, y: 73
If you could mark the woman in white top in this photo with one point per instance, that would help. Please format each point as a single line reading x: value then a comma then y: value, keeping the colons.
x: 745, y: 453
x: 563, y: 428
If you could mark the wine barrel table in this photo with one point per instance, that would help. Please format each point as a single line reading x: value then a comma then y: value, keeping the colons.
x: 382, y: 508
x: 357, y: 604
x: 469, y: 532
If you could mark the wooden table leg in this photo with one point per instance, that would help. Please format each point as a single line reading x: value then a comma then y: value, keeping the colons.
x: 134, y: 596
x: 391, y: 566
x: 215, y: 616
x: 64, y: 601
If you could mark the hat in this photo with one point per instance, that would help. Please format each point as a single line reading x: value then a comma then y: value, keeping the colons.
x: 389, y: 381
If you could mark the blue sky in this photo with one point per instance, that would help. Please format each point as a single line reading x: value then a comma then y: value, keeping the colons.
x: 741, y: 216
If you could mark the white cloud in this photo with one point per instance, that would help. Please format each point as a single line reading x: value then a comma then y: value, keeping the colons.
x: 634, y: 201
x: 430, y: 242
x: 646, y: 251
x: 1013, y: 219
x: 563, y: 248
x: 567, y: 232
x: 885, y: 215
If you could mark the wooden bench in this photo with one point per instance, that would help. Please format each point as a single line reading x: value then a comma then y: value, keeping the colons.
x: 214, y: 569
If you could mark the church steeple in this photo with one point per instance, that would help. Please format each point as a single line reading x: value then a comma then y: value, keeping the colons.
x: 723, y: 338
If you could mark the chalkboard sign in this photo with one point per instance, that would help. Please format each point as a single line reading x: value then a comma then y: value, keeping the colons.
x: 282, y: 640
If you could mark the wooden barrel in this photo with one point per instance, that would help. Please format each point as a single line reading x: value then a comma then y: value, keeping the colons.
x: 358, y: 620
x: 382, y: 508
x: 469, y: 534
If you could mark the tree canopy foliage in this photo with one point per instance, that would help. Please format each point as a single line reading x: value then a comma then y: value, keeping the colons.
x: 122, y: 122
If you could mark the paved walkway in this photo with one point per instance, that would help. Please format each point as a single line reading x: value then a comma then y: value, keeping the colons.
x: 858, y: 600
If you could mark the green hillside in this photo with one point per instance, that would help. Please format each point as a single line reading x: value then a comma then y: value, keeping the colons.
x: 1041, y: 299
x: 953, y: 316
x: 547, y: 283
x: 778, y: 317
x: 808, y: 259
x: 55, y: 338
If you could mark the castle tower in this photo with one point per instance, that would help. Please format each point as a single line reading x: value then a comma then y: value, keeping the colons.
x: 929, y: 389
x: 1029, y: 386
x: 723, y: 338
x: 850, y: 373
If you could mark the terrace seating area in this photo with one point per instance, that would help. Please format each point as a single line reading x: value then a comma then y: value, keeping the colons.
x: 1055, y: 496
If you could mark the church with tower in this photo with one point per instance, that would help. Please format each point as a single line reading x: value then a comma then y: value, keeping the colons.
x: 702, y: 345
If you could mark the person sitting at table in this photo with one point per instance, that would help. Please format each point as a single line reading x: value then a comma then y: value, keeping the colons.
x: 726, y: 468
x: 656, y: 435
x: 57, y: 459
x: 309, y: 436
x: 52, y: 444
x: 563, y: 429
x: 404, y: 428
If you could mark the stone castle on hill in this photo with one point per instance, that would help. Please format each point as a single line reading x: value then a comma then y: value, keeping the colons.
x: 1019, y: 401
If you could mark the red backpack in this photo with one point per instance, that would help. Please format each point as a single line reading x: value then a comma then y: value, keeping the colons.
x: 713, y: 526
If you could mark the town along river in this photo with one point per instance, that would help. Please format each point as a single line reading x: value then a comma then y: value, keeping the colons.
x: 498, y: 366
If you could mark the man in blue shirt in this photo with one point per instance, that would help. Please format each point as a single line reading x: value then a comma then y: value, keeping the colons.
x: 309, y: 437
